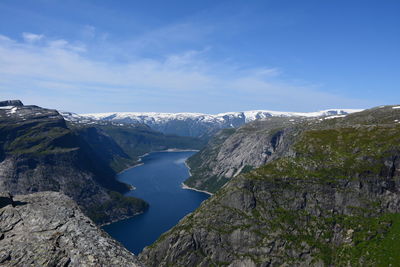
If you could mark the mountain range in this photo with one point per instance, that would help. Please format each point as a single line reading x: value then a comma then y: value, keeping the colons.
x: 194, y: 124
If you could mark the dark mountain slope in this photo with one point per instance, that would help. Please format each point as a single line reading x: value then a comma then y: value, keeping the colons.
x: 332, y: 201
x: 39, y: 153
x: 120, y: 146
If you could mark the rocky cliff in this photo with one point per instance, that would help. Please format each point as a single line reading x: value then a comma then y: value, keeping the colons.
x: 235, y: 151
x: 38, y: 152
x: 48, y: 229
x: 332, y: 201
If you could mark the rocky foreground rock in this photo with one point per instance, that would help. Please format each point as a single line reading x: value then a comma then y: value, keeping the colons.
x: 48, y: 229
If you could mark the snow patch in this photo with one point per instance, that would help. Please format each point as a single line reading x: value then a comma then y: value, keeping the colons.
x: 334, y: 117
x: 152, y: 118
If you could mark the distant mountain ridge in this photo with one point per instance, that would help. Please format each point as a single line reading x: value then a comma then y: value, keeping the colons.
x: 195, y: 124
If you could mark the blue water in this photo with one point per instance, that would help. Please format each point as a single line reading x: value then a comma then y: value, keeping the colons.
x: 157, y: 181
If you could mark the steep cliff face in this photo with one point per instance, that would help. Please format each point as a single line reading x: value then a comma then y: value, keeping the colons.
x: 333, y: 201
x: 39, y: 153
x: 232, y: 152
x: 48, y: 229
x: 104, y: 147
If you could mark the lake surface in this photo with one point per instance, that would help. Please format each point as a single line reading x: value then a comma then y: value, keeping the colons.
x: 158, y: 181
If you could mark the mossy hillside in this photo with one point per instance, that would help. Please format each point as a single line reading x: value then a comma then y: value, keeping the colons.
x: 328, y: 156
x: 345, y: 153
x: 117, y: 206
x: 370, y: 237
x: 38, y: 135
x: 211, y: 185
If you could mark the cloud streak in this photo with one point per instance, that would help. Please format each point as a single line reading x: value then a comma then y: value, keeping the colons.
x: 43, y: 69
x: 31, y: 37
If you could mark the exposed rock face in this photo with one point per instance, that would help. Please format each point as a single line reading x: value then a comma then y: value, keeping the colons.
x: 16, y: 103
x: 39, y: 153
x: 48, y: 229
x: 333, y: 201
x: 232, y: 152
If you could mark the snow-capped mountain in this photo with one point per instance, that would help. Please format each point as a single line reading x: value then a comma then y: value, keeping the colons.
x: 195, y: 124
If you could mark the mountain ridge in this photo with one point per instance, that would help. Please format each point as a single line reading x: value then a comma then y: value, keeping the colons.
x: 194, y: 124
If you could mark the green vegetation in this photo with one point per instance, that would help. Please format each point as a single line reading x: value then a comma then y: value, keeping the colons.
x: 39, y: 138
x: 247, y: 169
x: 100, y: 213
x: 368, y: 241
x: 335, y: 154
x: 211, y: 185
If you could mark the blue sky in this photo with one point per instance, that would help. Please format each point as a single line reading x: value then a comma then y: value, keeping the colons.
x: 200, y: 56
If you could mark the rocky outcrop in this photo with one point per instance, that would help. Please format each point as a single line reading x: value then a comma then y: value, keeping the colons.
x: 48, y: 229
x: 15, y: 103
x: 232, y: 152
x: 38, y: 152
x: 333, y: 201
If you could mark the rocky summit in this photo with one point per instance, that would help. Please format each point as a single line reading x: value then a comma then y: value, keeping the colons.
x: 12, y: 103
x: 48, y: 229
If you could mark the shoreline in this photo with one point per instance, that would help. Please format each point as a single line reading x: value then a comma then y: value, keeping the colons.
x: 118, y: 220
x: 190, y: 171
x: 131, y: 167
x: 176, y: 150
x: 186, y: 187
x: 140, y: 163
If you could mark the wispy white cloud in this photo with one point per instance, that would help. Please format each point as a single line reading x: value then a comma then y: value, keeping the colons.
x: 31, y: 37
x: 56, y: 67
